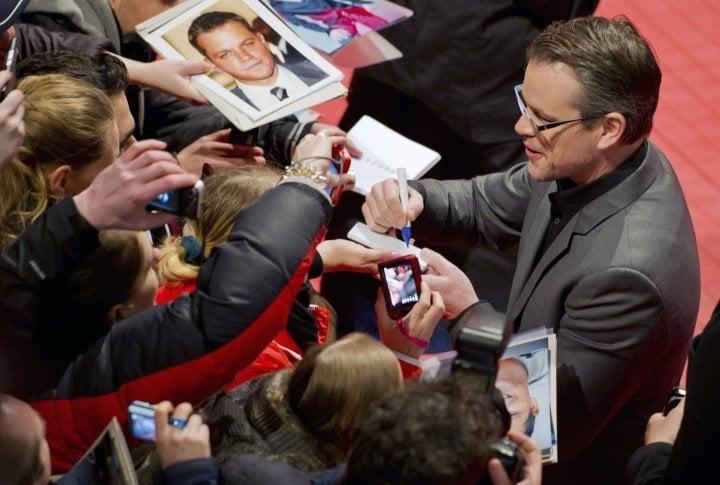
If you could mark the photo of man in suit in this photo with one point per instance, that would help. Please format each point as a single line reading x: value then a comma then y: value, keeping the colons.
x: 229, y: 43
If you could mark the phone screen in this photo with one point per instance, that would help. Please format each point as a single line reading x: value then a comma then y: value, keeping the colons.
x: 142, y: 426
x: 402, y: 287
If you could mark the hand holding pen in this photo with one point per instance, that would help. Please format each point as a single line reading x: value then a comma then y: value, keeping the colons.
x: 383, y: 208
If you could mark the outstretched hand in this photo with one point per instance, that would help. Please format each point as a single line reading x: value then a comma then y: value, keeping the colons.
x: 216, y: 150
x: 344, y: 255
x: 450, y: 282
x: 117, y: 198
x: 171, y: 76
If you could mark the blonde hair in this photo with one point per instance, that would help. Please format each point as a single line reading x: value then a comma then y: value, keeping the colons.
x: 334, y: 385
x: 66, y: 123
x: 226, y: 194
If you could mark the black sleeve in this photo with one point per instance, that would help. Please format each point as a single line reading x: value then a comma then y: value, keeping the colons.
x: 34, y: 39
x: 647, y: 464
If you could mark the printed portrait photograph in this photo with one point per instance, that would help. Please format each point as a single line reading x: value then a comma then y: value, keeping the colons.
x: 524, y: 379
x: 248, y: 55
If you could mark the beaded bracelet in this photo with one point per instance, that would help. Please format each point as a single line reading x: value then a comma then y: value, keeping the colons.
x: 403, y: 330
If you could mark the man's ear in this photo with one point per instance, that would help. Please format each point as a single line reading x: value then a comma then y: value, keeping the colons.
x: 534, y: 408
x: 613, y: 128
x: 57, y: 179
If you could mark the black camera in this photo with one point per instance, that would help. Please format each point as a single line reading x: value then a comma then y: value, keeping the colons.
x: 480, y: 343
x: 187, y: 202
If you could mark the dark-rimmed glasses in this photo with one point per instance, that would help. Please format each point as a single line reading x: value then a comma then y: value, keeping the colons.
x: 537, y: 126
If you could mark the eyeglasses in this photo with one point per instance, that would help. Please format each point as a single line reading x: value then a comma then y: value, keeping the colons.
x: 536, y: 126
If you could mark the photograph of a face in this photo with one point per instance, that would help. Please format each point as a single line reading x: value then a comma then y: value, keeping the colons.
x: 525, y: 377
x: 254, y: 61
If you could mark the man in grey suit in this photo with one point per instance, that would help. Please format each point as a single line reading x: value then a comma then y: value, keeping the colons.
x: 233, y: 46
x: 607, y: 253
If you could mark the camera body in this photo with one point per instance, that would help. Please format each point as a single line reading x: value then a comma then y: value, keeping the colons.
x: 480, y: 343
x: 186, y: 202
x: 400, y: 280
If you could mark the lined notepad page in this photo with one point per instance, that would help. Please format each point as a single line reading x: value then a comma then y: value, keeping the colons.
x: 384, y: 150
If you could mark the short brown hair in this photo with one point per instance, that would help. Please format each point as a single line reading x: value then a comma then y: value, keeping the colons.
x: 334, y: 385
x: 615, y: 65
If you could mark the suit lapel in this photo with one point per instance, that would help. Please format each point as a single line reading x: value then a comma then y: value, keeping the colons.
x: 529, y: 246
x: 589, y: 217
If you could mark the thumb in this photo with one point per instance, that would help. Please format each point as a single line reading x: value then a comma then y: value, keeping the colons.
x: 435, y: 261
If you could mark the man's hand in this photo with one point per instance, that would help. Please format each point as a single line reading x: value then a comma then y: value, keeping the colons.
x: 174, y: 444
x: 383, y: 210
x: 216, y: 150
x: 420, y: 322
x: 664, y: 429
x: 171, y: 76
x: 12, y: 128
x: 344, y: 255
x: 116, y: 199
x: 450, y: 281
x: 533, y: 462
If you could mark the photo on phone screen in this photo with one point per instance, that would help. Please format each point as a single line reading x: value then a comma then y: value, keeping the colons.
x: 142, y: 421
x: 400, y: 280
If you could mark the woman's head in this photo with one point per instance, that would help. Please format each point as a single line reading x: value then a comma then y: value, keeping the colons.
x: 113, y: 282
x: 70, y: 136
x: 334, y: 385
x: 226, y: 194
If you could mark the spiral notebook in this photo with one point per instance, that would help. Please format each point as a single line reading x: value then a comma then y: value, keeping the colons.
x: 384, y: 150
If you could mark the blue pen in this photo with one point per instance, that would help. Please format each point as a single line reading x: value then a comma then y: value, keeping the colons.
x: 402, y: 184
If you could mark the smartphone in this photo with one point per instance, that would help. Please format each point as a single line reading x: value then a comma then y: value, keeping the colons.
x: 187, y: 202
x: 10, y: 62
x: 677, y: 394
x: 339, y: 166
x: 141, y: 416
x: 400, y: 281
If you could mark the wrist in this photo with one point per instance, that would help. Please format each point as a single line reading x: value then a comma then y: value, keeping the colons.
x: 420, y: 342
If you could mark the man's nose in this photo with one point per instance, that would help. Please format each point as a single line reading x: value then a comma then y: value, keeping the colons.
x: 523, y: 126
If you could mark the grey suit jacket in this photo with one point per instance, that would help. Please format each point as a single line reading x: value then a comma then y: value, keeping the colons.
x: 620, y: 285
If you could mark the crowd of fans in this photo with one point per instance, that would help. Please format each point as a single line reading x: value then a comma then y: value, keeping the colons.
x: 219, y: 325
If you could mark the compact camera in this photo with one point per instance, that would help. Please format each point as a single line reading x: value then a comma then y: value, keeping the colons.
x: 400, y: 280
x: 186, y: 202
x: 142, y: 420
